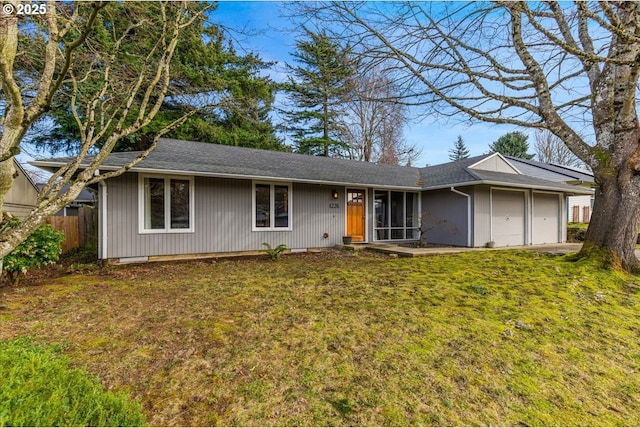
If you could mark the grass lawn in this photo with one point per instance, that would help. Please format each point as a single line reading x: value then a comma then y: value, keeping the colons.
x: 500, y: 337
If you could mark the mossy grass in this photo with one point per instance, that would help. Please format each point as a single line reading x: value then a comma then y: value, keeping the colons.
x: 602, y: 258
x: 39, y: 388
x: 584, y: 226
x: 480, y: 338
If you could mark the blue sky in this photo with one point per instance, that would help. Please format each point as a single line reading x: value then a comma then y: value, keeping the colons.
x: 274, y: 40
x: 259, y: 26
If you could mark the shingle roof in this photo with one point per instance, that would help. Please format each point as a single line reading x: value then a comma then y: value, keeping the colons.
x: 220, y: 160
x: 445, y: 174
x: 458, y: 173
x: 85, y: 194
x: 188, y: 157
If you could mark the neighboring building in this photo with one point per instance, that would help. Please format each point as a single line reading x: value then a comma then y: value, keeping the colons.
x: 579, y: 208
x: 189, y: 198
x: 22, y: 198
x: 86, y: 197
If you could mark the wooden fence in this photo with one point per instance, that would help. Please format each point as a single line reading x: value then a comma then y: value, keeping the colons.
x: 79, y: 231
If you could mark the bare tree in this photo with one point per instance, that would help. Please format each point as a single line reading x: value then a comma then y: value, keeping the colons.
x: 374, y: 121
x: 551, y: 149
x: 571, y: 69
x: 393, y: 149
x: 61, y: 53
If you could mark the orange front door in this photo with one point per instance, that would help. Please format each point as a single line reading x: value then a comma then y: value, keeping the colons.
x: 356, y: 214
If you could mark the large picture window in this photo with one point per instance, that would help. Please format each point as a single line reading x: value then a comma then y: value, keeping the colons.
x: 396, y: 215
x: 166, y: 204
x: 271, y: 206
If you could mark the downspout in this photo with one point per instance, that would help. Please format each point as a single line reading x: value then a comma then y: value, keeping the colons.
x: 454, y: 190
x: 103, y: 219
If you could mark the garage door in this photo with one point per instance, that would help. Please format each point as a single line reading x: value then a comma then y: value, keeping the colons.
x: 507, y: 222
x: 546, y: 224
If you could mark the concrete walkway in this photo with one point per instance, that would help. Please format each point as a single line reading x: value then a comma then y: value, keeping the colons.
x: 416, y: 252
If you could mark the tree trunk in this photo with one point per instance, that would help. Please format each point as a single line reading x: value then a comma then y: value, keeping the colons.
x: 615, y: 159
x: 7, y: 175
x: 613, y: 228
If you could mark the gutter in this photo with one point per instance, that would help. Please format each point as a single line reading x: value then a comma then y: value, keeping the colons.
x: 575, y: 190
x: 454, y: 190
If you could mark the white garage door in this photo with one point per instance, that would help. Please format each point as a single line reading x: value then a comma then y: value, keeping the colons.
x: 507, y: 222
x: 546, y: 222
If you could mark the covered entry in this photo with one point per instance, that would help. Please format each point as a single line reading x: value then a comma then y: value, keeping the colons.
x: 546, y: 218
x: 508, y: 217
x: 356, y: 214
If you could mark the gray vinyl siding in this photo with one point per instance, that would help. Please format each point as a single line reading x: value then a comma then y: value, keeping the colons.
x: 481, y: 216
x: 446, y: 212
x: 223, y: 220
x: 564, y: 223
x: 371, y: 217
x: 20, y: 211
x: 21, y: 198
x: 102, y: 208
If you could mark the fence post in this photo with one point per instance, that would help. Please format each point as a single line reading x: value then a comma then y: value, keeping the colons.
x: 88, y: 221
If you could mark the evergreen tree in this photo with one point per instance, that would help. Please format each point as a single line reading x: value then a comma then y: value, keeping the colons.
x: 233, y: 100
x: 318, y: 89
x: 512, y: 144
x: 459, y: 150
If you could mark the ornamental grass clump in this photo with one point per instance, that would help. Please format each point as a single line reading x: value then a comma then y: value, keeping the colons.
x: 274, y: 253
x: 41, y: 248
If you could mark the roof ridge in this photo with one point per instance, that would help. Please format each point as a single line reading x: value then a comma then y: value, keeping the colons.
x: 283, y: 153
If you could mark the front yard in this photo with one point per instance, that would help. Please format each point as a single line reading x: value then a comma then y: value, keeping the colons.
x: 501, y: 338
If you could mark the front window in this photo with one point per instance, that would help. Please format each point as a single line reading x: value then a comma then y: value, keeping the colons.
x: 166, y: 204
x: 263, y: 205
x: 396, y: 215
x: 179, y: 206
x: 272, y: 203
x: 154, y: 203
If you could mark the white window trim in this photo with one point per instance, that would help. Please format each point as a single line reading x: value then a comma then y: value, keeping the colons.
x: 272, y: 203
x: 167, y: 204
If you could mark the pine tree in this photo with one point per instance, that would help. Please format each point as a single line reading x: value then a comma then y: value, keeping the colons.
x: 512, y: 144
x: 459, y: 150
x: 233, y: 98
x: 318, y: 89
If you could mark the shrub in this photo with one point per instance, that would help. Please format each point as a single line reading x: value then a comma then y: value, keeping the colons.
x: 274, y: 253
x: 39, y: 388
x: 41, y: 248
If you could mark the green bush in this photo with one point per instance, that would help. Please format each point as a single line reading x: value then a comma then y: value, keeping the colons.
x: 39, y: 388
x: 41, y: 248
x: 274, y: 253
